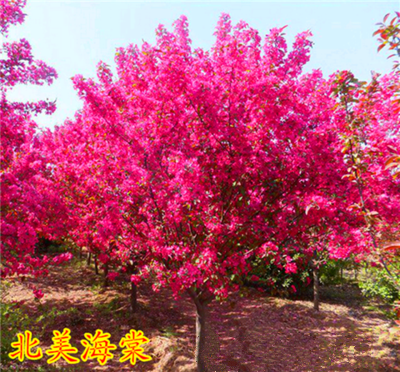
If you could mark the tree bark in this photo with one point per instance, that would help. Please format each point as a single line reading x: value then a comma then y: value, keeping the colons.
x: 201, y: 314
x: 133, y: 295
x: 201, y: 300
x: 96, y: 266
x: 89, y: 257
x: 316, y: 288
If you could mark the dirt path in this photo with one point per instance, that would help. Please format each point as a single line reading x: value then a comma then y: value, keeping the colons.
x: 255, y: 333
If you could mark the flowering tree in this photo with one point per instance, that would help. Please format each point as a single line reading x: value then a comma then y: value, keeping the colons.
x: 389, y: 36
x: 29, y: 206
x: 87, y: 175
x: 193, y: 162
x: 370, y: 131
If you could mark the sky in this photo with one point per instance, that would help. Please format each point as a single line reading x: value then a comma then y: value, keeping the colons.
x: 73, y: 36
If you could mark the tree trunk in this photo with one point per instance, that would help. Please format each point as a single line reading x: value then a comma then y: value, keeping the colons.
x: 316, y: 288
x: 89, y: 257
x: 133, y: 295
x: 201, y: 313
x: 96, y: 266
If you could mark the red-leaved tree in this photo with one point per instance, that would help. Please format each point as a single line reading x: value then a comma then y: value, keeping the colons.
x: 193, y: 162
x: 29, y: 206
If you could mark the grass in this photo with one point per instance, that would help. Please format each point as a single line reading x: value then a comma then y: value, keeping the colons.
x: 168, y: 332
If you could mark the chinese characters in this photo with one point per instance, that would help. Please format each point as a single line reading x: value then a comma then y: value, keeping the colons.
x: 97, y: 346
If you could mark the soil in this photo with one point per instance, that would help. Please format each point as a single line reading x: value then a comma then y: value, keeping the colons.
x: 248, y: 332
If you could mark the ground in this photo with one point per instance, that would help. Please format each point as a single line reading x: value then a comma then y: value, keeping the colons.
x: 251, y: 333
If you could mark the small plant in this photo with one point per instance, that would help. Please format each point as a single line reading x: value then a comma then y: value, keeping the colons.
x: 49, y: 317
x: 96, y: 288
x: 168, y: 332
x: 107, y: 308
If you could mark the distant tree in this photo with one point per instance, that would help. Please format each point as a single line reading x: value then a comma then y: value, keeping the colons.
x: 29, y: 207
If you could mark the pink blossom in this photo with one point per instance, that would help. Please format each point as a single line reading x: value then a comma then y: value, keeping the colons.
x: 38, y: 294
x: 135, y: 279
x: 113, y: 275
x: 254, y: 278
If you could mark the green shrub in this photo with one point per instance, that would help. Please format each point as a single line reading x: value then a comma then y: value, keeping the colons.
x: 330, y: 273
x: 277, y: 280
x: 379, y: 284
x: 13, y: 320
